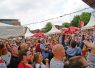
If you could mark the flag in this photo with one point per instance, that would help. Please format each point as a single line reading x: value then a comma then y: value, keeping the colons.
x: 81, y: 24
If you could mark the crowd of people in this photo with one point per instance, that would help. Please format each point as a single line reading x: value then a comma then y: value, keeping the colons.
x: 53, y: 51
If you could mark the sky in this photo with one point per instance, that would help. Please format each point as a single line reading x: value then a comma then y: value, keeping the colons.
x: 31, y: 12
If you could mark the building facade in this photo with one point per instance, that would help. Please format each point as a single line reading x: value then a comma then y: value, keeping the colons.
x: 11, y: 21
x: 91, y: 3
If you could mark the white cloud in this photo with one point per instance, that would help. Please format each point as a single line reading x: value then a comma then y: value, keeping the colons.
x: 33, y: 11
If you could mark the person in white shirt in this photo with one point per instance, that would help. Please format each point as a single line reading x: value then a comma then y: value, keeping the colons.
x: 38, y: 58
x: 6, y: 56
x: 91, y: 54
x: 2, y: 62
x: 57, y: 60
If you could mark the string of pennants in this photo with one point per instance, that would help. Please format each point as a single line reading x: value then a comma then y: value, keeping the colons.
x: 59, y: 16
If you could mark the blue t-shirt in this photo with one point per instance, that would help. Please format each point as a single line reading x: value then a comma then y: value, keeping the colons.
x: 73, y: 51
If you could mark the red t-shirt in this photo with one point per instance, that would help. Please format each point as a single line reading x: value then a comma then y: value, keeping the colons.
x: 38, y: 49
x: 21, y: 65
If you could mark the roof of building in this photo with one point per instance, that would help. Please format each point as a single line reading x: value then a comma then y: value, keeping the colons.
x: 91, y: 3
x: 10, y: 21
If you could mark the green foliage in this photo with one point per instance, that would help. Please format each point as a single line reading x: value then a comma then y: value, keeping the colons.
x: 76, y: 20
x: 47, y: 27
x: 85, y: 17
x: 66, y: 24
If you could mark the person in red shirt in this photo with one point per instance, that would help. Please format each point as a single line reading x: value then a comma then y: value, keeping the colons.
x: 25, y: 58
x: 38, y: 49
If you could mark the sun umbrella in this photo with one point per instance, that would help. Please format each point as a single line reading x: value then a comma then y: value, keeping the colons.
x: 39, y: 35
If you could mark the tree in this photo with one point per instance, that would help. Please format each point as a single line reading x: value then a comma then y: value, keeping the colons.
x: 47, y: 27
x: 66, y: 24
x: 85, y: 17
x: 76, y: 20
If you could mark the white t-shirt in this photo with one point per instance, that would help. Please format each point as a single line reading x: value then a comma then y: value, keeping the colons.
x: 7, y: 58
x: 38, y: 65
x: 2, y: 65
x: 56, y: 64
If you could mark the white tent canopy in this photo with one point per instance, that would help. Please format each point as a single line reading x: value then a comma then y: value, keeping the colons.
x: 28, y: 33
x: 53, y: 30
x: 7, y: 31
x: 91, y: 23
